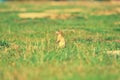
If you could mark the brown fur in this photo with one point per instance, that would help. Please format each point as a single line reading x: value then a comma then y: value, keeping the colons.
x: 60, y: 39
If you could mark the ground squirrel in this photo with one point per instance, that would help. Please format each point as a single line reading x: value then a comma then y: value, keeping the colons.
x: 60, y: 39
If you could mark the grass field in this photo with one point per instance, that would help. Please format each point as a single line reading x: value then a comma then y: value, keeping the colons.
x: 28, y: 41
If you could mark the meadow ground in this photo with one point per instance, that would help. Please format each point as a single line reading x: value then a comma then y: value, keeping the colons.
x: 28, y: 41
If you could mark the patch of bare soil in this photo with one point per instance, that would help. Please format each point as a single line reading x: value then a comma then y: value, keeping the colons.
x: 82, y: 3
x: 107, y: 12
x: 52, y: 14
x: 64, y: 10
x: 44, y: 15
x: 33, y: 15
x: 60, y: 16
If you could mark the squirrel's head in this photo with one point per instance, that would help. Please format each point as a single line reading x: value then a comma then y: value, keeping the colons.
x: 59, y: 32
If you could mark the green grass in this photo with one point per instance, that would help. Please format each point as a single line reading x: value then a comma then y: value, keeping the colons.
x: 28, y: 49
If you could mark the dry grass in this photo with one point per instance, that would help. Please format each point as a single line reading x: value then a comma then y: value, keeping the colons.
x: 32, y: 54
x: 114, y: 52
